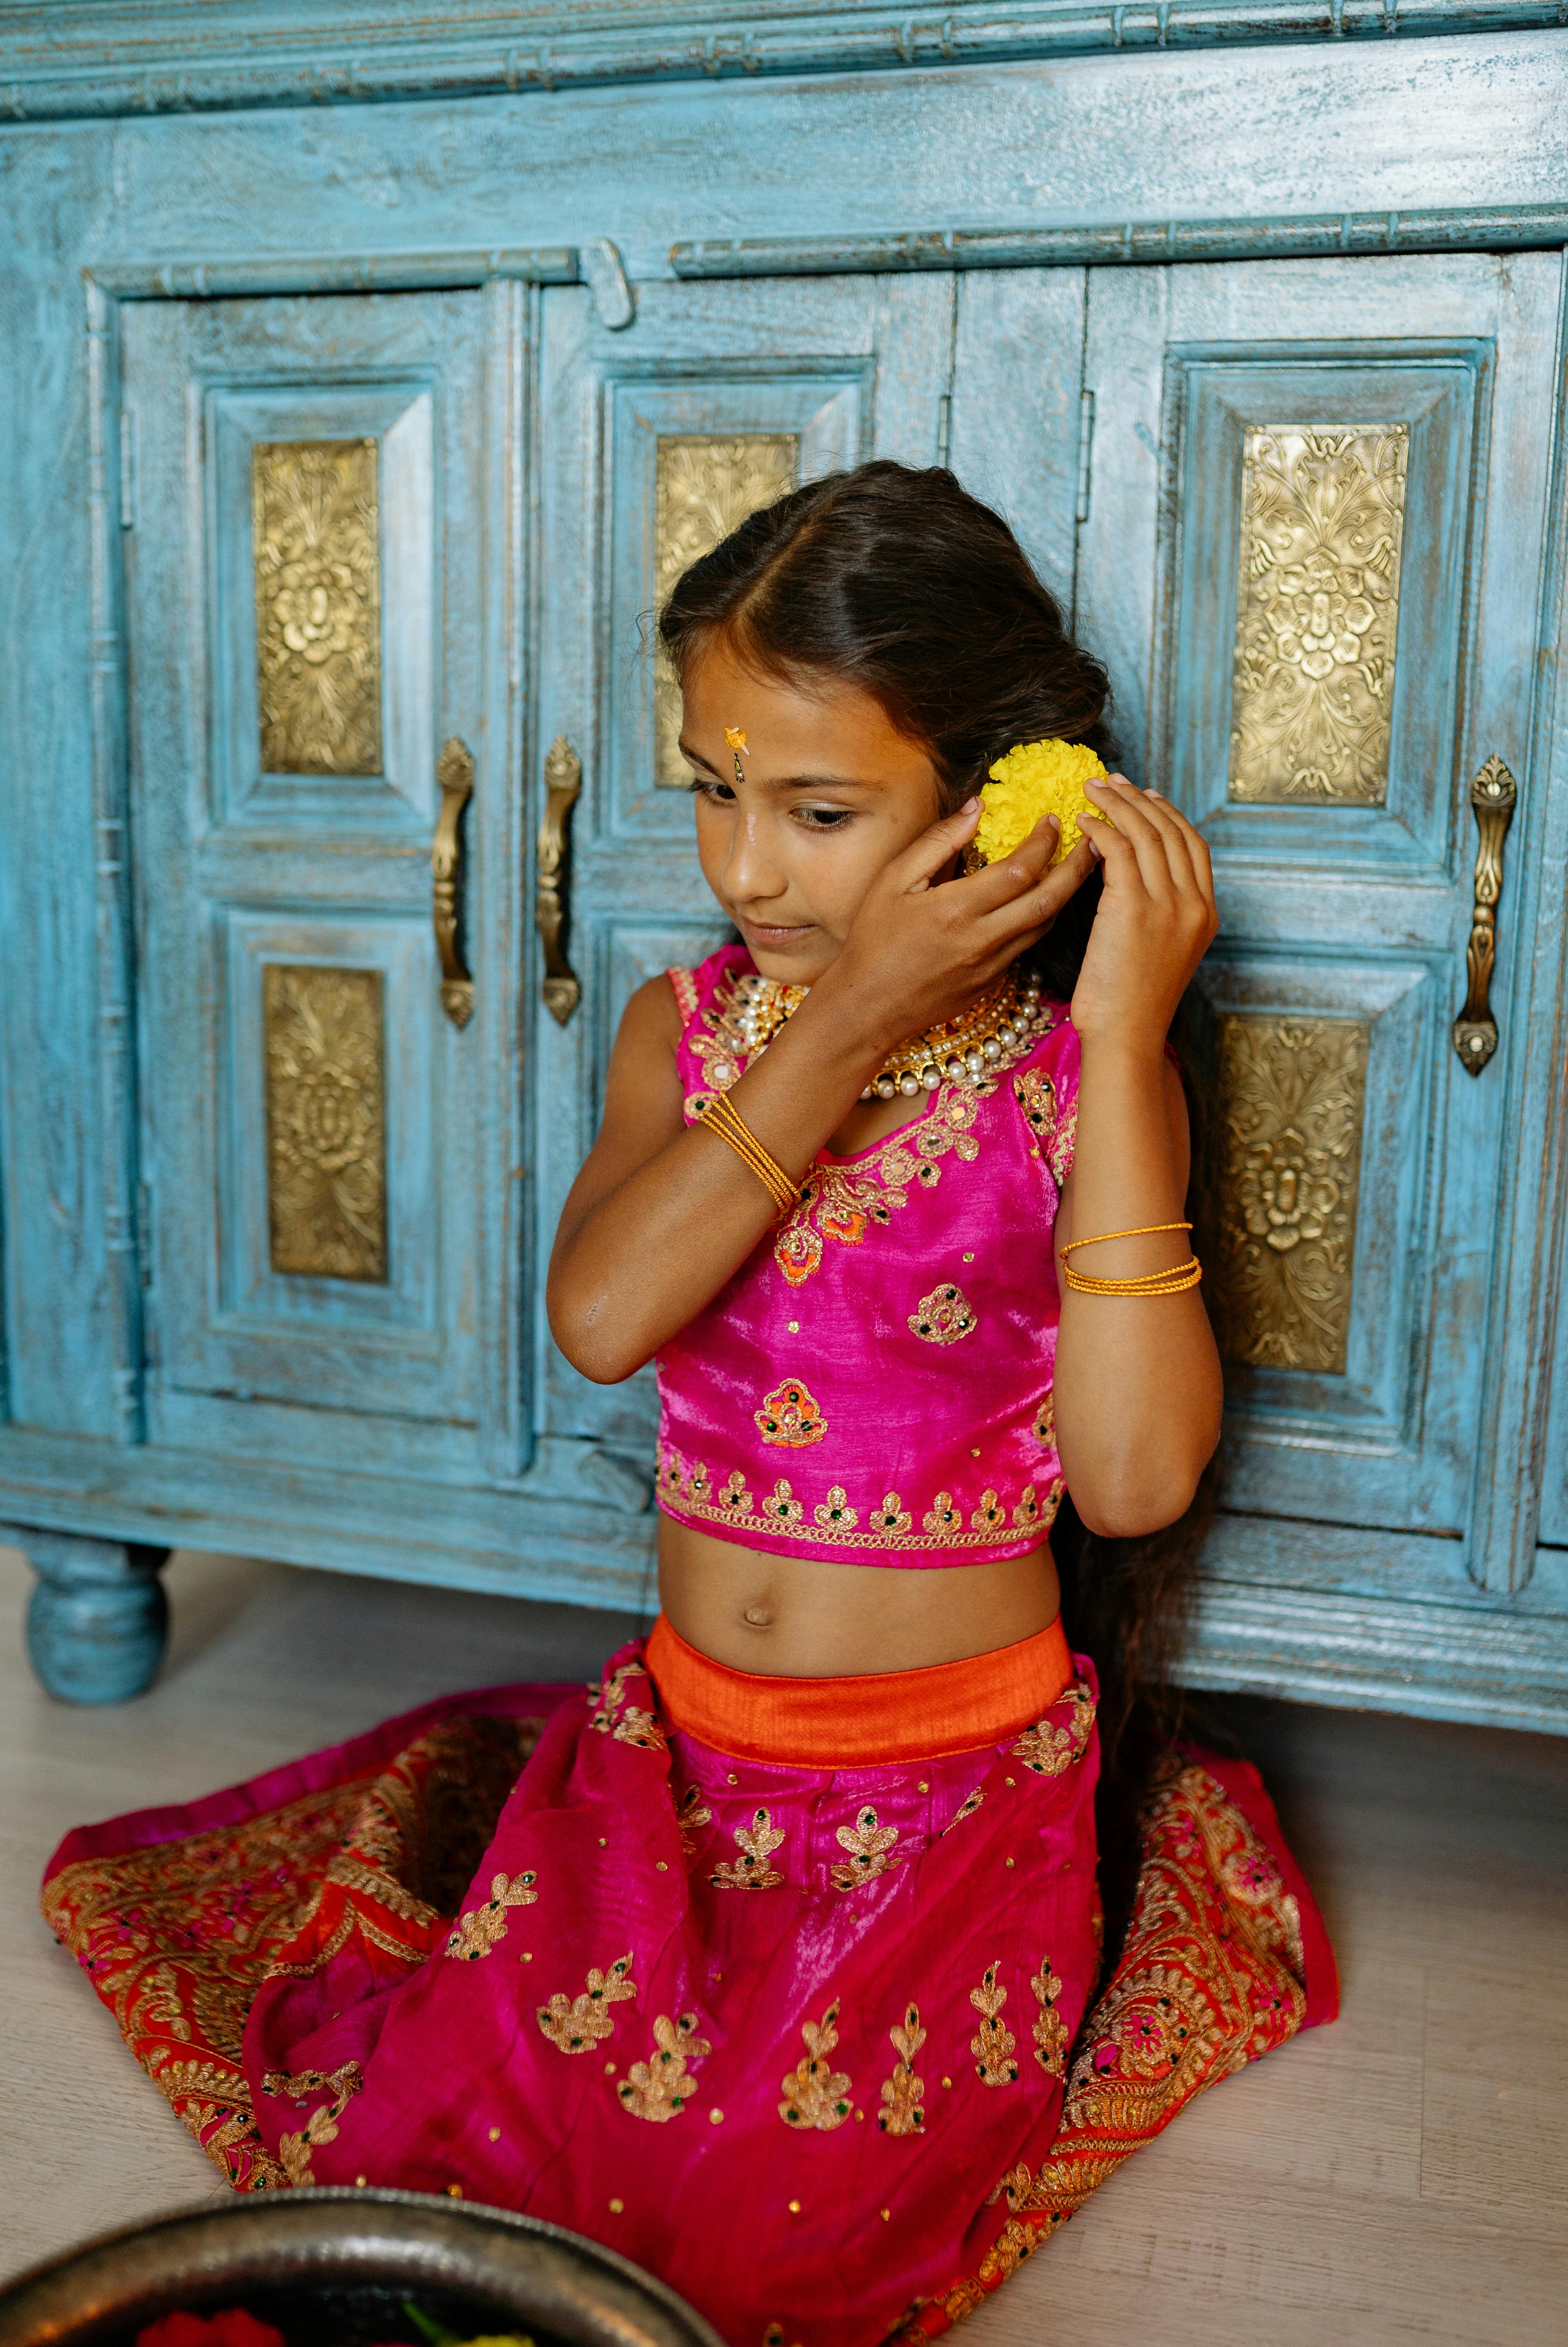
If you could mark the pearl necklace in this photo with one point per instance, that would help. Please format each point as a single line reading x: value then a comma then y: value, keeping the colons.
x: 960, y: 1051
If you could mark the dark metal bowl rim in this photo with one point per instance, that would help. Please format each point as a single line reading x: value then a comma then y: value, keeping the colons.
x: 586, y: 2294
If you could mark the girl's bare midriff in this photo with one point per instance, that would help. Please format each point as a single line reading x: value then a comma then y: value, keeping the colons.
x: 795, y: 1617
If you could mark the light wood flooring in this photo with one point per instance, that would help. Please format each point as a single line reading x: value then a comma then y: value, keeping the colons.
x: 1401, y: 2175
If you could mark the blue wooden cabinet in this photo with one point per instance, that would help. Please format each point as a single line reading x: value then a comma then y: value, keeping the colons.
x: 367, y: 387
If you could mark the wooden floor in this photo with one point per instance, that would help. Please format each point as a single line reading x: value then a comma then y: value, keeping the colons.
x: 1401, y: 2175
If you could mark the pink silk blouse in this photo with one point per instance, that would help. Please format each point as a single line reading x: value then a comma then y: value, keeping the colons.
x: 874, y: 1385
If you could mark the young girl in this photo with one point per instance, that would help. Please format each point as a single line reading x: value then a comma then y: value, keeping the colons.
x: 808, y: 1884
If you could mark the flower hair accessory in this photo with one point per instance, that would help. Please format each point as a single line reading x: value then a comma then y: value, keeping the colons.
x: 1036, y: 779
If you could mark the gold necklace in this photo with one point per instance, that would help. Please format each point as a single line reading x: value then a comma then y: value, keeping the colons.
x: 1000, y: 1022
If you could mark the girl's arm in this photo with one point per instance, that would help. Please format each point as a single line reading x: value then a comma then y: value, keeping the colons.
x: 1137, y: 1389
x: 663, y: 1213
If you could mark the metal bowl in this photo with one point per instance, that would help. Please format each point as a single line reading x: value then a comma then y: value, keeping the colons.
x: 334, y: 2269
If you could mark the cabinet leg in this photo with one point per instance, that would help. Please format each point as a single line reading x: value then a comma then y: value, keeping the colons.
x: 98, y: 1616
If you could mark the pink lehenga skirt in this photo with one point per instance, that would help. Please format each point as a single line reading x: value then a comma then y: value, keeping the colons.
x: 808, y: 2033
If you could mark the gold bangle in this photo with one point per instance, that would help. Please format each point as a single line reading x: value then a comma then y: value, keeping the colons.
x: 724, y: 1119
x: 1144, y: 1230
x: 1176, y: 1279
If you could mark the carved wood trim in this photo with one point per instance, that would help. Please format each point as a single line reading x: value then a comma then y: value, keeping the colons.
x: 149, y: 56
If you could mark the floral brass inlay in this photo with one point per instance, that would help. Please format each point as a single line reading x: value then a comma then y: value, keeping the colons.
x: 704, y: 488
x: 315, y: 543
x: 1293, y: 1099
x: 1323, y: 517
x: 322, y: 1035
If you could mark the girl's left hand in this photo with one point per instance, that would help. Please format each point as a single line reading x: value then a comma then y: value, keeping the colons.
x: 1156, y: 921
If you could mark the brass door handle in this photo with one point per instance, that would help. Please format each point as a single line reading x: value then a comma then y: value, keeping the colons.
x: 1495, y: 793
x: 563, y: 786
x: 455, y: 773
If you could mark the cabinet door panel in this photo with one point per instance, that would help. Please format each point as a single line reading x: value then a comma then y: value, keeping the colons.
x: 1312, y: 561
x: 657, y: 440
x: 307, y: 628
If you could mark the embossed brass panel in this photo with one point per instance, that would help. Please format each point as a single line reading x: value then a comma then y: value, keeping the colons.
x: 324, y: 1041
x: 1281, y: 1245
x: 706, y: 487
x: 1323, y: 517
x: 316, y: 545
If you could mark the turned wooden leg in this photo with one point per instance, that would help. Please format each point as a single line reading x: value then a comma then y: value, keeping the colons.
x: 98, y: 1616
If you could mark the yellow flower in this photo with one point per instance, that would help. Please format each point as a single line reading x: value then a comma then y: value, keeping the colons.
x: 1035, y: 779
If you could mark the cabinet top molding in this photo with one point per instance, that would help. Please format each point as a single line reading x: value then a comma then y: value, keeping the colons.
x: 65, y: 59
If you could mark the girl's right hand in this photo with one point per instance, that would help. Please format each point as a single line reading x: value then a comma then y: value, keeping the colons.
x: 919, y: 952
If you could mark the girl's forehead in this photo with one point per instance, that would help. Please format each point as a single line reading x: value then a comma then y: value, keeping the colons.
x: 784, y: 718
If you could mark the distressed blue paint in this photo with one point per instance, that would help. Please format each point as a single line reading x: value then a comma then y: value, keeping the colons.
x: 151, y: 58
x: 429, y: 1430
x: 98, y: 1618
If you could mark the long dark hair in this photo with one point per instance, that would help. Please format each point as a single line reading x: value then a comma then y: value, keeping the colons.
x: 902, y: 583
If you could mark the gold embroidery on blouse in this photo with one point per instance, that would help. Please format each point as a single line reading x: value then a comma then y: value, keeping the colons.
x: 782, y: 1506
x: 902, y: 2112
x: 1050, y: 2029
x: 944, y: 1316
x: 688, y: 1491
x: 870, y: 1848
x: 1044, y: 1427
x: 580, y: 2023
x: 1057, y: 1129
x: 659, y: 2089
x: 691, y: 1816
x: 836, y: 1514
x: 751, y: 1870
x: 484, y: 1928
x: 815, y: 2093
x: 1036, y: 1096
x: 790, y: 1416
x: 1049, y: 1751
x: 993, y: 2043
x: 970, y: 1803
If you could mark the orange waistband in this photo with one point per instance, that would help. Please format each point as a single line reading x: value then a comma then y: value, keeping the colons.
x: 884, y: 1716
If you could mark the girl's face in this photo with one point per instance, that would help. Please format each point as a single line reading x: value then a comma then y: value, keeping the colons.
x: 828, y: 793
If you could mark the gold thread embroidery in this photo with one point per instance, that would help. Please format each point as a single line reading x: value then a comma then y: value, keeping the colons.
x: 1048, y: 1750
x: 484, y: 1928
x: 903, y: 2112
x: 1044, y: 1427
x: 815, y: 2093
x: 870, y: 1845
x: 790, y: 1416
x: 689, y: 1817
x: 688, y: 1491
x: 993, y: 2043
x: 1036, y: 1096
x: 836, y: 1514
x: 1050, y: 2029
x: 628, y: 1723
x: 751, y: 1870
x: 782, y: 1506
x: 580, y: 2023
x: 944, y: 1316
x: 659, y: 2089
x: 971, y: 1802
x: 294, y: 2150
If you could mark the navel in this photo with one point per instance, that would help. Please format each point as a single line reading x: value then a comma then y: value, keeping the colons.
x: 758, y: 1617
